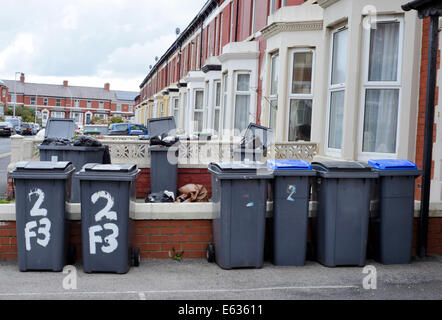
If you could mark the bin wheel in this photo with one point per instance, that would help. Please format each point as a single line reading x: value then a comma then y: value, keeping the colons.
x: 137, y: 257
x: 210, y: 253
x: 72, y: 254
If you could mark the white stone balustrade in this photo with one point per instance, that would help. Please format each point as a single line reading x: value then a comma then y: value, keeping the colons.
x: 192, y: 154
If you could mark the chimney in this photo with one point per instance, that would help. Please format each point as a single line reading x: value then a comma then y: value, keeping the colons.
x: 22, y: 78
x: 65, y: 83
x: 107, y: 86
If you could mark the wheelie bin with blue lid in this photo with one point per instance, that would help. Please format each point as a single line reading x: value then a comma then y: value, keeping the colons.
x: 391, y: 225
x: 42, y: 223
x: 291, y: 199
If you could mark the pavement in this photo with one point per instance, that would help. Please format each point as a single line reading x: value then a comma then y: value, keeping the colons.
x: 5, y: 159
x: 195, y: 279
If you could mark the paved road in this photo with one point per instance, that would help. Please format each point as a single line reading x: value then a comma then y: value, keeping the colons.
x: 196, y: 279
x: 5, y: 158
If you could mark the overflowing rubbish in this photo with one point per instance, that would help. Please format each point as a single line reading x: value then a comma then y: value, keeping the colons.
x: 160, y: 197
x: 163, y: 140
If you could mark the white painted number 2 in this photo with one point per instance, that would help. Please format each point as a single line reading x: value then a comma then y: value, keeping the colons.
x: 44, y: 223
x: 110, y: 243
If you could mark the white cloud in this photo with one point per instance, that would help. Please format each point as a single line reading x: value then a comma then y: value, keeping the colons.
x: 92, y: 41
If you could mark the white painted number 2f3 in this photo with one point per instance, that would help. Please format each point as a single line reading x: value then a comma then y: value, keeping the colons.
x: 109, y: 243
x: 44, y: 223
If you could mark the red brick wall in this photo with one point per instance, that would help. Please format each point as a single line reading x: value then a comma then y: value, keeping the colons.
x: 422, y: 104
x: 156, y: 238
x: 185, y: 176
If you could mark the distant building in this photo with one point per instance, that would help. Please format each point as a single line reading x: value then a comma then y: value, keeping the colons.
x: 64, y: 101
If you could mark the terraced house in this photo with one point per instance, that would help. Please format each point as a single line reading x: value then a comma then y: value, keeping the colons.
x: 64, y: 101
x: 349, y: 75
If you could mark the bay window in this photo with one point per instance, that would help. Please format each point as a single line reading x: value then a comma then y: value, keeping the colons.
x: 198, y: 111
x: 242, y: 101
x: 301, y: 95
x: 382, y: 86
x: 337, y: 87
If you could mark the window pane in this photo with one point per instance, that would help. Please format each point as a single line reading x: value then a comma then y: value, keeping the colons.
x: 380, y: 120
x: 242, y: 106
x: 273, y: 110
x: 384, y: 52
x: 339, y: 57
x: 274, y: 75
x: 218, y: 94
x: 198, y: 122
x: 243, y: 82
x: 217, y: 111
x: 302, y: 73
x: 199, y: 99
x: 300, y: 120
x: 336, y: 119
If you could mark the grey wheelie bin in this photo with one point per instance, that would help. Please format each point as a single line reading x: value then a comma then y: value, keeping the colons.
x: 340, y: 227
x: 391, y: 225
x: 79, y: 156
x: 254, y: 144
x: 163, y: 160
x: 42, y: 225
x: 239, y: 195
x: 291, y: 198
x: 106, y: 225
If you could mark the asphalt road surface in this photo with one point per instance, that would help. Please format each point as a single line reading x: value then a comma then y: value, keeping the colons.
x: 196, y: 279
x: 5, y: 158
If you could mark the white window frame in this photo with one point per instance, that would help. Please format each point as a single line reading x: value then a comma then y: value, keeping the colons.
x: 217, y: 107
x: 32, y: 99
x: 197, y: 110
x: 299, y: 96
x: 253, y: 17
x: 241, y: 93
x: 58, y: 102
x: 272, y: 6
x: 101, y: 105
x: 85, y: 117
x: 231, y: 20
x: 366, y: 85
x: 119, y: 107
x: 224, y: 99
x: 221, y: 33
x: 215, y: 49
x: 206, y: 104
x: 56, y: 114
x: 89, y: 104
x: 176, y: 109
x: 333, y: 88
x: 45, y: 101
x: 77, y: 103
x: 273, y: 97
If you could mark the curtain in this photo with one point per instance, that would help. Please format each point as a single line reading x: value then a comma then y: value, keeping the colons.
x: 384, y: 51
x: 242, y: 110
x: 336, y: 119
x: 302, y: 73
x: 380, y: 121
x: 339, y: 57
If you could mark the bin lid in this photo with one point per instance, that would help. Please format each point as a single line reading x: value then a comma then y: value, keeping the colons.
x: 333, y: 166
x: 42, y: 165
x: 159, y: 126
x: 60, y: 128
x: 289, y: 164
x: 234, y: 170
x: 392, y: 164
x: 42, y: 170
x: 110, y: 167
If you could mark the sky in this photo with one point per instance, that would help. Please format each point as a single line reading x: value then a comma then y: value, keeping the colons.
x: 89, y: 42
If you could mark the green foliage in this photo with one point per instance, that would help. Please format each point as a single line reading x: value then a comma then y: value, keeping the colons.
x: 27, y: 114
x: 177, y: 256
x: 97, y: 120
x: 116, y: 120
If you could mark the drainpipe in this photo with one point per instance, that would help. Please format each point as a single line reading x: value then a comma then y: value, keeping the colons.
x: 237, y: 15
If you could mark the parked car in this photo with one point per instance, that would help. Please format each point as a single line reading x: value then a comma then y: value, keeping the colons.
x: 35, y: 127
x: 6, y: 129
x: 95, y: 130
x: 127, y: 129
x: 15, y: 123
x: 26, y: 129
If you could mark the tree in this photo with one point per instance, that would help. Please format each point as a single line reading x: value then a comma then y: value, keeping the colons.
x: 116, y: 120
x: 97, y: 120
x: 27, y: 114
